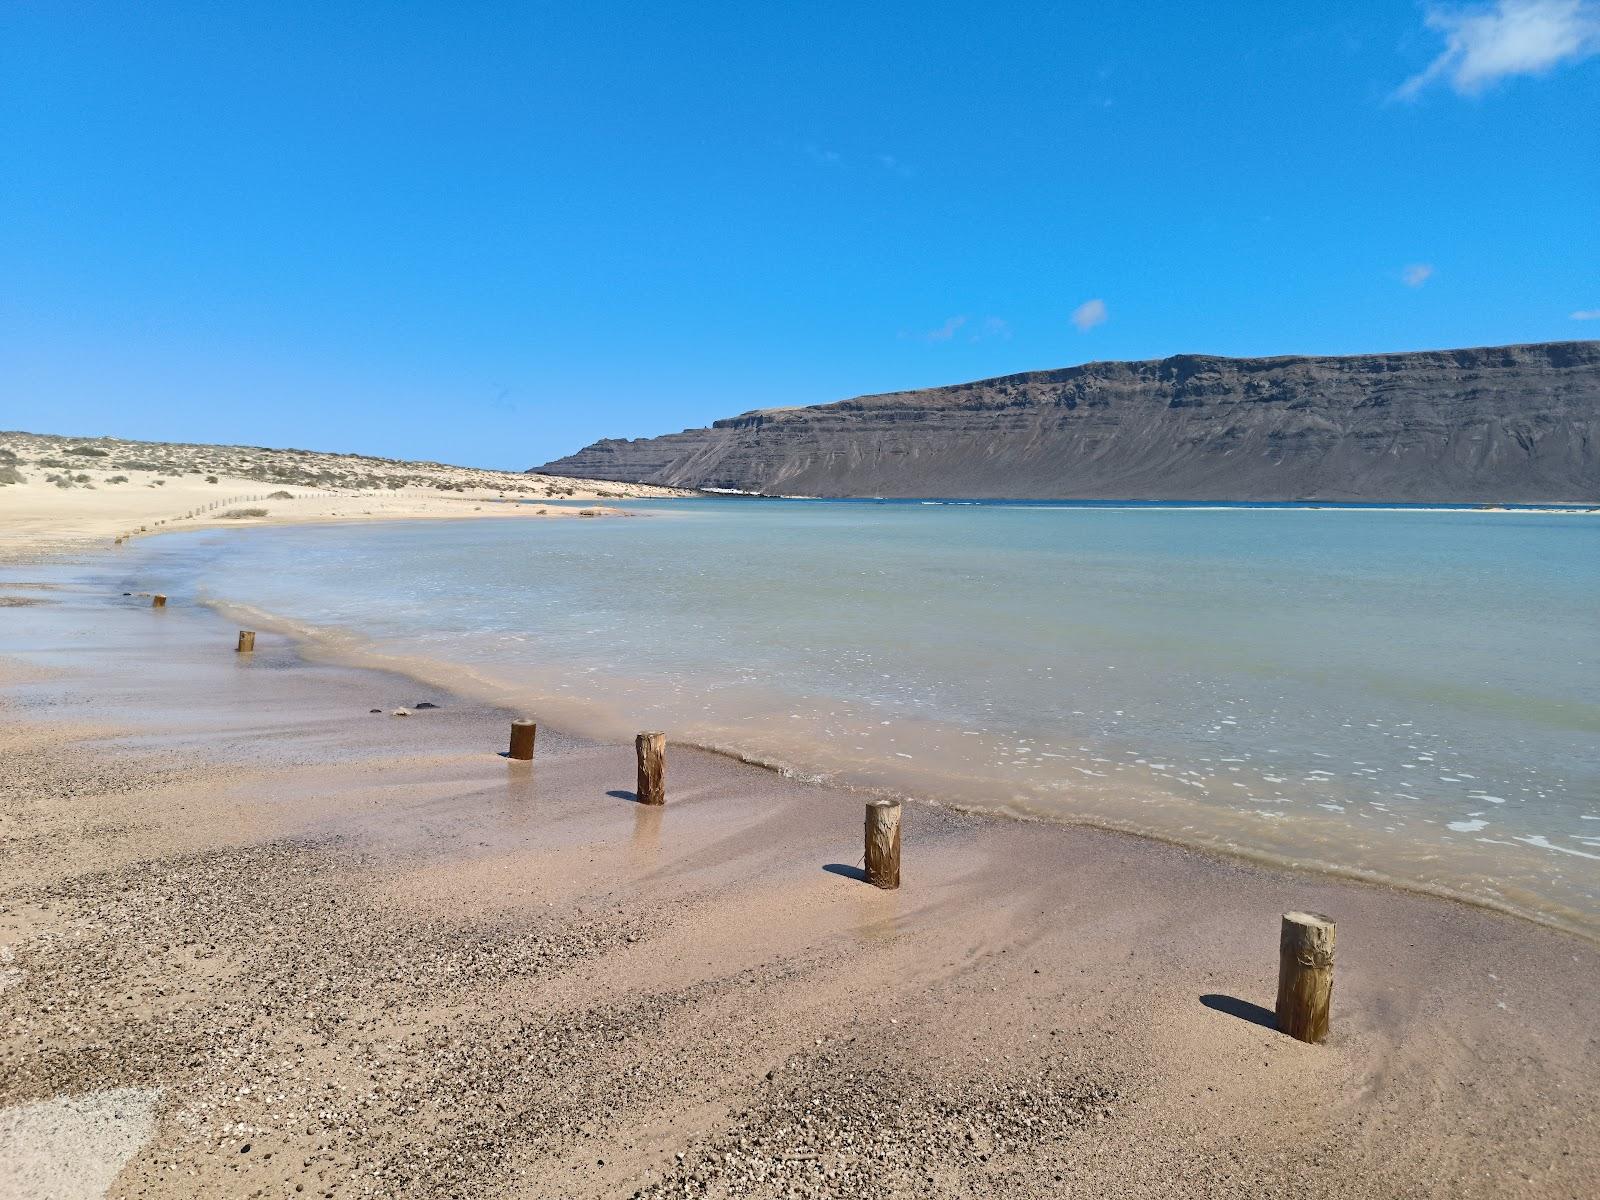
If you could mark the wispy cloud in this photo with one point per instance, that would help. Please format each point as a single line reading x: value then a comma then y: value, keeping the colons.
x: 1417, y: 274
x: 1089, y: 314
x: 946, y: 331
x: 975, y: 331
x: 827, y: 156
x: 992, y: 327
x: 1587, y: 314
x: 1483, y: 45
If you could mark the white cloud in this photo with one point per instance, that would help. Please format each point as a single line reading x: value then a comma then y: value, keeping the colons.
x: 1417, y: 274
x: 1511, y: 37
x: 971, y: 329
x: 993, y: 327
x: 1587, y: 314
x: 946, y: 331
x: 1089, y: 314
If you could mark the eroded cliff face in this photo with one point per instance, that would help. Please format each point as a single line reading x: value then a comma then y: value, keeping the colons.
x: 1505, y: 423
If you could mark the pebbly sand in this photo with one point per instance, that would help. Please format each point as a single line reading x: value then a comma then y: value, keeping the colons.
x: 314, y: 950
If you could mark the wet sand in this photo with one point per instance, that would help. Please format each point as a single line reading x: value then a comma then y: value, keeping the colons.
x: 342, y: 953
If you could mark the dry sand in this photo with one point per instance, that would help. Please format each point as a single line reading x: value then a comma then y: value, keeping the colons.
x: 358, y: 954
x: 116, y: 488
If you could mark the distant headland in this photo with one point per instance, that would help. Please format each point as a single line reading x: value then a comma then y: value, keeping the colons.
x: 1503, y: 423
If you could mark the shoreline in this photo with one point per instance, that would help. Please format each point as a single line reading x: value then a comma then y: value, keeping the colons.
x: 61, y: 495
x: 313, y: 643
x: 99, y: 528
x: 581, y: 718
x: 1122, y: 976
x: 1553, y: 507
x: 584, y: 717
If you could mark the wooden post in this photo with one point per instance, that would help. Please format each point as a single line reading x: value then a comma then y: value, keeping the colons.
x: 652, y: 751
x: 522, y: 735
x: 883, y: 843
x: 1305, y: 975
x: 247, y: 641
x: 158, y: 601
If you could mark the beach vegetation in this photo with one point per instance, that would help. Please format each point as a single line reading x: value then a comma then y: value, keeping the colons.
x: 142, y: 463
x: 242, y: 514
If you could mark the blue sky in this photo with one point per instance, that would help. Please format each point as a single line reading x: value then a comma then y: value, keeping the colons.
x: 491, y: 233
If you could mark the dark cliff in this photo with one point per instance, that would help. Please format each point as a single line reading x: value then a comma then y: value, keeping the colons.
x: 1512, y: 423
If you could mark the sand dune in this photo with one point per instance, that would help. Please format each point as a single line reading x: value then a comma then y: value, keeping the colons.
x: 59, y: 493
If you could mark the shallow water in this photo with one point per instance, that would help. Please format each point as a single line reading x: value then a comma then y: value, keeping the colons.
x: 1410, y: 694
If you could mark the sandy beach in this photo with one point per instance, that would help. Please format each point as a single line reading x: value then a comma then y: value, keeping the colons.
x: 262, y: 940
x: 72, y: 493
x: 948, y: 681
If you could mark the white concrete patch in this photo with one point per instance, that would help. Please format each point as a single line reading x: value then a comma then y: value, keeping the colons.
x: 72, y: 1147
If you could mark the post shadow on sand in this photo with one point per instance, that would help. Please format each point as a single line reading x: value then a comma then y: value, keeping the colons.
x: 623, y: 794
x: 848, y: 872
x: 1242, y: 1009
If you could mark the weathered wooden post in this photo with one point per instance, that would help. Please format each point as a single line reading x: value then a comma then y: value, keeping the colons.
x: 158, y: 601
x: 652, y: 751
x: 522, y: 735
x: 247, y: 641
x: 883, y: 843
x: 1305, y: 975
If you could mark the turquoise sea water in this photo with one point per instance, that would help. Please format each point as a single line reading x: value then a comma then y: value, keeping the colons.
x: 1412, y: 694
